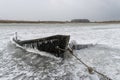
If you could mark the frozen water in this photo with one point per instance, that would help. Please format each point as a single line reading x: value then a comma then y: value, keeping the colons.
x: 18, y: 64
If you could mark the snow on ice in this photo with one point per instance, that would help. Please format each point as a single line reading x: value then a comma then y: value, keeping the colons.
x: 18, y: 64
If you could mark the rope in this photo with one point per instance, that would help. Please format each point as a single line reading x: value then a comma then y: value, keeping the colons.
x: 90, y: 69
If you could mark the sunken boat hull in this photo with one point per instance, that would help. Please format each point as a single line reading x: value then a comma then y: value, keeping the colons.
x: 47, y: 44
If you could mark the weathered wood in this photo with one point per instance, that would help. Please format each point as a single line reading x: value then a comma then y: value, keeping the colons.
x: 47, y: 44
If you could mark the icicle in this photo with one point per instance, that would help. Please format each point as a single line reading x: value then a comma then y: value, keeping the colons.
x: 46, y: 42
x: 36, y: 44
x: 31, y: 45
x: 39, y: 43
x: 25, y: 45
x: 51, y: 41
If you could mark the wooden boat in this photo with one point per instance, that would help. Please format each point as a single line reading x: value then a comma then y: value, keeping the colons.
x: 48, y: 44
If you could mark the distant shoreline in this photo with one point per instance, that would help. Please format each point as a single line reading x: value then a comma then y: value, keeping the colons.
x: 16, y: 21
x: 53, y: 22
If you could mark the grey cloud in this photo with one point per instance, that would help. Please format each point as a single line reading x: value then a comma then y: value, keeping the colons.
x: 60, y: 9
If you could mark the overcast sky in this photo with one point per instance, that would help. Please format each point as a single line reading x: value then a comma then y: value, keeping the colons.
x: 94, y: 10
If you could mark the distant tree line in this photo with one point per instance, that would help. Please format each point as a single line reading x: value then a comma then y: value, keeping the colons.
x: 15, y: 21
x: 72, y: 21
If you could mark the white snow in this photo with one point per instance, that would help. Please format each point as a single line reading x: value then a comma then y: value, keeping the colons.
x: 17, y: 64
